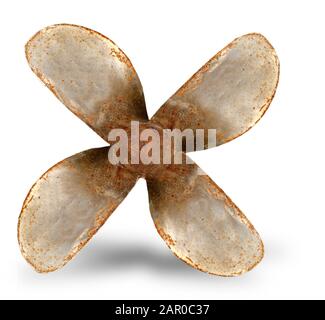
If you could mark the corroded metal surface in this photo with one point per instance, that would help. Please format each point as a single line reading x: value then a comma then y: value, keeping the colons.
x: 200, y: 223
x: 230, y: 93
x: 89, y: 74
x: 97, y: 82
x: 67, y: 206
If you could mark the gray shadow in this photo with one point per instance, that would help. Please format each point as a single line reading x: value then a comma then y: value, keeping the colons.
x: 119, y: 257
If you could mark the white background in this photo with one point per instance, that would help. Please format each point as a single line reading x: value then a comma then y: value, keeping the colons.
x: 274, y: 173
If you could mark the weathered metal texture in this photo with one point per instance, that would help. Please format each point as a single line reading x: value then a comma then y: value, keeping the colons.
x: 89, y: 74
x: 67, y: 206
x: 200, y: 223
x: 97, y: 82
x: 230, y: 93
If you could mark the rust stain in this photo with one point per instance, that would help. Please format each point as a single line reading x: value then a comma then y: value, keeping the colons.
x: 124, y: 59
x: 167, y: 238
x: 194, y: 81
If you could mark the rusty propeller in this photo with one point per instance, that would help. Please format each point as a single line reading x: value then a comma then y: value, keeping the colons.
x: 93, y: 78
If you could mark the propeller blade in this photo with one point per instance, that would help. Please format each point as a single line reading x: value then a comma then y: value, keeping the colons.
x: 68, y: 205
x: 230, y: 93
x: 89, y: 74
x: 200, y: 224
